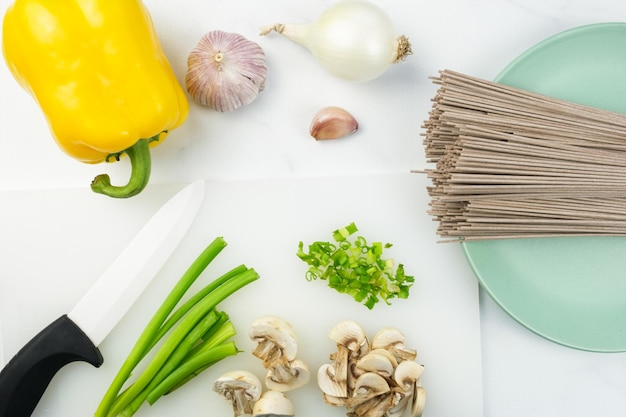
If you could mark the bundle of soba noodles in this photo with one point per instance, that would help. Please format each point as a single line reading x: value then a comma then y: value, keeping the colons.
x: 510, y: 163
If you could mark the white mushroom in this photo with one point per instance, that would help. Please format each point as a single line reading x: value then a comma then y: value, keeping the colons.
x: 242, y: 388
x: 407, y: 374
x: 393, y: 340
x: 351, y: 342
x: 379, y: 379
x: 334, y: 401
x: 368, y: 386
x: 354, y: 372
x: 350, y: 334
x: 400, y: 403
x: 418, y: 403
x: 327, y: 381
x: 277, y: 348
x: 273, y: 404
x: 406, y: 377
x: 378, y: 363
x: 341, y: 365
x: 387, y: 354
x: 285, y: 378
x: 374, y: 407
x: 275, y: 338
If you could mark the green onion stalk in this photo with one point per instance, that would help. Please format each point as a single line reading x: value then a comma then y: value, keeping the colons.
x: 192, y: 337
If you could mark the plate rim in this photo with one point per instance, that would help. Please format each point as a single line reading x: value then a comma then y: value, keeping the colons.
x: 467, y: 246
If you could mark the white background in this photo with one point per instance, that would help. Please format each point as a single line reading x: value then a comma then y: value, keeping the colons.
x: 524, y: 375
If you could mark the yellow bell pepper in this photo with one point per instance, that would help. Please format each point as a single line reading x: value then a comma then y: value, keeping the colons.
x: 98, y: 72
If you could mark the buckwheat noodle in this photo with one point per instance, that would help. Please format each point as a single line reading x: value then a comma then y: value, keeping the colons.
x: 509, y: 163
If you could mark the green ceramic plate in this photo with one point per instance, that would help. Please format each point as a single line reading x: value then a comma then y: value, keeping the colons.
x: 569, y: 290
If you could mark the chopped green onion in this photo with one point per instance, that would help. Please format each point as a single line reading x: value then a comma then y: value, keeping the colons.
x: 356, y: 268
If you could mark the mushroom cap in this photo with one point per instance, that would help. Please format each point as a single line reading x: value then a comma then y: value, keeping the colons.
x: 378, y: 363
x: 368, y: 386
x: 393, y: 340
x: 275, y: 337
x: 419, y: 402
x: 273, y: 403
x: 327, y: 381
x: 348, y: 333
x: 407, y: 374
x: 386, y: 353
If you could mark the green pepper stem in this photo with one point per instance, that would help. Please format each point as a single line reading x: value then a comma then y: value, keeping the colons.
x: 141, y: 165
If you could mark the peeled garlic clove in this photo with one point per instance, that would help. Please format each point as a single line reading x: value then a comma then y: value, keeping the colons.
x: 333, y: 123
x: 225, y: 71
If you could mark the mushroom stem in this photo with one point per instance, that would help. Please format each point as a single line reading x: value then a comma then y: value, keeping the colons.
x: 277, y: 348
x: 375, y: 407
x: 241, y: 388
x: 241, y: 403
x: 287, y: 376
x: 267, y: 351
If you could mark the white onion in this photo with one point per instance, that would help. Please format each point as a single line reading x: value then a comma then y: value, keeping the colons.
x: 352, y: 39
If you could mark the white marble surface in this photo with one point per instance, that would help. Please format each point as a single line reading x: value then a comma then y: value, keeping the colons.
x: 524, y: 375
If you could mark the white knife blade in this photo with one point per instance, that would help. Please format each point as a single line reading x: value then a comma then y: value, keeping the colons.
x: 108, y: 300
x: 76, y: 336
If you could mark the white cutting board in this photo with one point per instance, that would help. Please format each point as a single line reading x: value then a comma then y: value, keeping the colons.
x: 55, y: 243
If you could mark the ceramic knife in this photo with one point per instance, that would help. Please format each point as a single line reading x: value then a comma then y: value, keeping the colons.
x: 75, y: 336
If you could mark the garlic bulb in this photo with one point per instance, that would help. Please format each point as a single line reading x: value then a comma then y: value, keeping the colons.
x: 225, y: 71
x: 352, y: 39
x: 332, y: 123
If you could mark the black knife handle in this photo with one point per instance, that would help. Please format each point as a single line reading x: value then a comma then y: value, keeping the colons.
x: 25, y: 378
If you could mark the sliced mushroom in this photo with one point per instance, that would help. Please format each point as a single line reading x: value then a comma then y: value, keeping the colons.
x: 418, y: 403
x: 350, y: 334
x: 407, y: 374
x: 378, y: 363
x: 342, y: 365
x: 379, y: 379
x: 273, y: 404
x: 351, y: 342
x: 334, y: 401
x: 275, y: 338
x: 369, y: 385
x: 277, y: 348
x: 400, y: 403
x: 354, y: 372
x: 393, y: 340
x: 285, y: 378
x: 374, y: 407
x: 327, y: 381
x: 242, y: 388
x: 386, y: 353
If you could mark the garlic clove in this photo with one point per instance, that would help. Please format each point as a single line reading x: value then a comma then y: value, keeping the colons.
x: 225, y: 71
x: 332, y: 123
